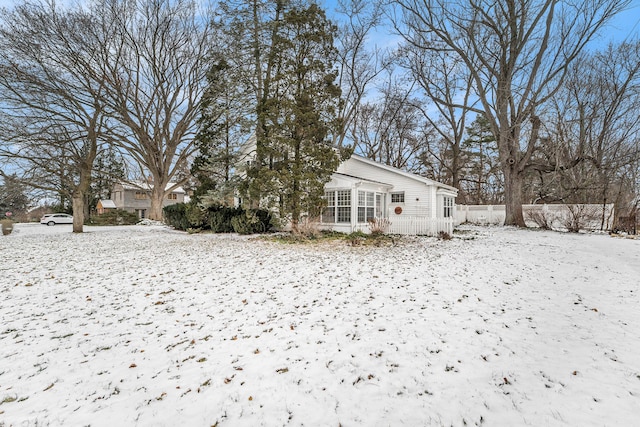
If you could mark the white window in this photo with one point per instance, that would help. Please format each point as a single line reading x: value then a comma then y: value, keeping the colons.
x: 338, y: 206
x: 448, y: 207
x: 329, y: 212
x: 397, y: 197
x: 366, y: 207
x: 343, y: 211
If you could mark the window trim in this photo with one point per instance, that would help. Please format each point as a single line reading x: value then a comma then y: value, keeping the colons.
x: 447, y: 204
x: 338, y: 207
x: 398, y: 194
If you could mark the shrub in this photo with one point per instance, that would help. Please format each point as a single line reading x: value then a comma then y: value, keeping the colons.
x: 251, y: 221
x: 220, y: 218
x: 579, y: 217
x: 379, y: 225
x: 309, y: 228
x: 197, y: 216
x: 443, y: 235
x: 114, y: 217
x: 193, y: 218
x: 176, y: 216
x: 541, y: 218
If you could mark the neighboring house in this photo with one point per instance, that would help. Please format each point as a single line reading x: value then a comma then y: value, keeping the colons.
x: 362, y: 189
x: 136, y: 197
x: 104, y: 206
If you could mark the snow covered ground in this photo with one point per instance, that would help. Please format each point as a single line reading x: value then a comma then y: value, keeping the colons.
x: 147, y: 326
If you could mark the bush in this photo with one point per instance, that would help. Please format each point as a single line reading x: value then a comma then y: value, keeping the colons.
x: 176, y: 216
x: 114, y: 217
x: 309, y: 228
x: 197, y: 216
x: 252, y: 221
x: 579, y: 218
x: 542, y: 219
x: 379, y: 225
x: 443, y: 235
x: 220, y: 218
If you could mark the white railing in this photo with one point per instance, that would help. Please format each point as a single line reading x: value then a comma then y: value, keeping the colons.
x: 421, y: 226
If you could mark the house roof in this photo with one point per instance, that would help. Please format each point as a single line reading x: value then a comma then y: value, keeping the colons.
x: 410, y: 175
x: 107, y: 204
x: 144, y: 185
x: 360, y: 179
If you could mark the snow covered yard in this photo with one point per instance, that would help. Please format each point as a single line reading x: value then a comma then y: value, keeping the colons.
x: 147, y: 326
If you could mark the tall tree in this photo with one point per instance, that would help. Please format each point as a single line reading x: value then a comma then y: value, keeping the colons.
x: 299, y: 115
x: 360, y: 62
x: 592, y: 131
x: 13, y: 197
x: 109, y: 168
x: 481, y: 180
x: 52, y: 115
x: 152, y: 58
x: 517, y: 53
x: 223, y: 127
x: 391, y: 129
x: 448, y: 88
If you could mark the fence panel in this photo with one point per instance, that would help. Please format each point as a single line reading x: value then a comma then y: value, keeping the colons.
x: 421, y: 226
x: 590, y: 217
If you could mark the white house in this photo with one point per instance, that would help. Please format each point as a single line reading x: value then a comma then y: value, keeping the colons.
x: 362, y: 189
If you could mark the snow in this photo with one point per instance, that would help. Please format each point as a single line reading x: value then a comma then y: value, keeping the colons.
x: 143, y: 325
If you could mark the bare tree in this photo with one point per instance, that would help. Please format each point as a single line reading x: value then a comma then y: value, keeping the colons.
x: 52, y: 117
x: 152, y: 58
x: 592, y: 130
x: 448, y: 87
x: 360, y: 63
x: 391, y: 129
x: 517, y: 53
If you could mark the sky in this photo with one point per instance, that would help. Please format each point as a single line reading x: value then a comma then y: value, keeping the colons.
x: 624, y: 26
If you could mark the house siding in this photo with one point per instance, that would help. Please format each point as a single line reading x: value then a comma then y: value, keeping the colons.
x: 419, y: 197
x: 125, y: 198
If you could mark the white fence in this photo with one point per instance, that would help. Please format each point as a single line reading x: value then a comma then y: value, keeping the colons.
x: 421, y: 226
x: 556, y: 216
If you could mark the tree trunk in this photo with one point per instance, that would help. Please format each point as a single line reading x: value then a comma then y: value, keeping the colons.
x: 79, y: 195
x: 78, y: 211
x: 513, y: 196
x: 157, y: 196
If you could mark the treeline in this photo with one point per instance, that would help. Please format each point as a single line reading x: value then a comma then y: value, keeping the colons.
x: 256, y: 102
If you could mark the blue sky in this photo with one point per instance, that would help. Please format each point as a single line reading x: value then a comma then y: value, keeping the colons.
x: 626, y: 25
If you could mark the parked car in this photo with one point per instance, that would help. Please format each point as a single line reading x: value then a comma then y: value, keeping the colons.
x: 56, y: 218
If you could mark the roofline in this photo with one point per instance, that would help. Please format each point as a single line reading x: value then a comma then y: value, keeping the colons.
x: 360, y: 179
x: 403, y: 173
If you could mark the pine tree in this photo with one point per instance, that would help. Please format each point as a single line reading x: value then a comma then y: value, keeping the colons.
x: 13, y: 197
x: 299, y: 115
x: 481, y: 183
x: 107, y: 170
x: 222, y: 127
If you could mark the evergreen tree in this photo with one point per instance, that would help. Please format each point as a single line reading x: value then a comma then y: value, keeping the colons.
x: 481, y: 181
x: 295, y: 156
x: 13, y: 197
x: 107, y: 170
x: 222, y: 126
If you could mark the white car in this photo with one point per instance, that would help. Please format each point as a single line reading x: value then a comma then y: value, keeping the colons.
x: 56, y: 218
